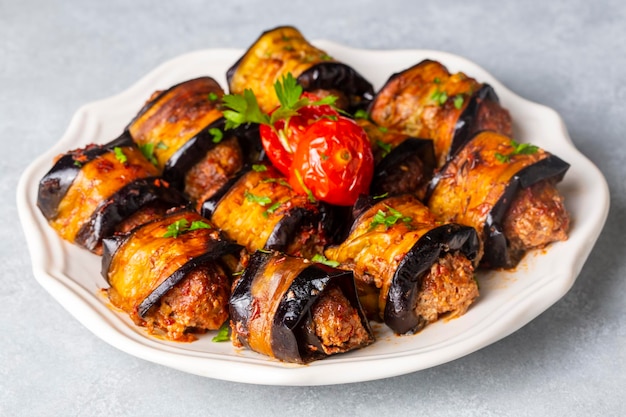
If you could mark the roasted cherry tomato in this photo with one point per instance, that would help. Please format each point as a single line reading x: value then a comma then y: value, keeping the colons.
x: 333, y: 161
x: 280, y: 141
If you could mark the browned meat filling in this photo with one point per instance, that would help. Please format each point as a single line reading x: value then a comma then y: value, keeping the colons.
x: 536, y: 217
x: 492, y: 116
x: 408, y: 177
x: 337, y: 324
x: 307, y: 242
x: 196, y: 304
x: 448, y: 288
x: 208, y: 175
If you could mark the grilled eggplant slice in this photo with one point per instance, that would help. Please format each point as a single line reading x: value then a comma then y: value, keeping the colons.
x: 172, y: 275
x: 426, y: 101
x: 295, y: 310
x: 85, y: 187
x: 507, y: 192
x: 259, y: 210
x: 170, y: 118
x: 409, y: 269
x: 403, y: 165
x: 284, y: 50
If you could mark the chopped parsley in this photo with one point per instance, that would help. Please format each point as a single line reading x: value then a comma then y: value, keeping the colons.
x: 222, y: 334
x: 439, y: 97
x: 271, y: 209
x: 259, y: 199
x: 458, y: 101
x: 386, y: 147
x: 147, y: 149
x: 361, y: 114
x: 323, y: 260
x: 388, y: 219
x: 518, y: 149
x: 162, y: 145
x: 216, y: 134
x: 213, y: 96
x: 259, y: 168
x: 120, y: 155
x: 181, y: 226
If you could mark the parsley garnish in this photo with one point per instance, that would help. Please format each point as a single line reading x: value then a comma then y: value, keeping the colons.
x: 78, y: 164
x: 439, y: 97
x: 518, y: 149
x: 213, y: 96
x: 162, y: 145
x: 458, y: 101
x: 181, y: 226
x: 245, y: 108
x: 259, y: 199
x: 361, y: 114
x: 378, y: 197
x: 259, y: 168
x: 309, y: 194
x: 323, y: 260
x: 119, y: 155
x: 217, y: 134
x: 271, y: 209
x: 222, y: 333
x: 280, y: 181
x: 388, y: 220
x: 386, y: 147
x: 147, y: 149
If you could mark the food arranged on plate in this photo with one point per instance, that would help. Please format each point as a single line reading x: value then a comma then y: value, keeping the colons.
x: 303, y: 204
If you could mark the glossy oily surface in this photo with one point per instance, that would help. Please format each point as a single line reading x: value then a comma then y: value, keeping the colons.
x: 508, y: 300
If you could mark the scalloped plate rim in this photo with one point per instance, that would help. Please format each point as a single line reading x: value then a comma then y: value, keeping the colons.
x: 49, y: 255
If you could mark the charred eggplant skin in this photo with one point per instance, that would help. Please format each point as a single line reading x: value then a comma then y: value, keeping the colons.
x: 402, y: 297
x: 188, y: 251
x: 123, y: 204
x: 171, y: 117
x: 284, y: 50
x: 499, y: 182
x: 291, y: 313
x: 54, y: 185
x: 400, y: 155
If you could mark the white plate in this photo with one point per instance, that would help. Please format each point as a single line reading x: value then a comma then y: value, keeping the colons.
x: 508, y: 300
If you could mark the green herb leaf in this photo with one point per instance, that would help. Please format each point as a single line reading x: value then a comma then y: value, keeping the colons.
x: 378, y: 197
x: 213, y: 96
x: 147, y: 149
x: 288, y: 91
x: 458, y: 101
x: 323, y: 260
x: 362, y: 114
x: 280, y: 181
x: 259, y: 199
x: 259, y: 168
x: 518, y: 149
x: 78, y: 164
x: 222, y: 333
x: 162, y: 145
x: 306, y: 189
x: 199, y: 224
x: 177, y: 228
x: 271, y: 209
x: 120, y: 155
x: 217, y: 134
x: 386, y: 147
x: 241, y: 109
x: 388, y: 219
x: 439, y: 97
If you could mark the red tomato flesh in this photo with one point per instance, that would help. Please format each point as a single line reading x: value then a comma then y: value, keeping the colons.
x: 333, y: 161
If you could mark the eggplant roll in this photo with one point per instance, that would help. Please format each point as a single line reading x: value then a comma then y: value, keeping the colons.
x: 207, y: 161
x: 507, y: 192
x: 259, y: 210
x: 172, y: 275
x: 284, y: 50
x: 170, y: 118
x: 427, y: 101
x: 409, y: 268
x: 296, y: 310
x: 89, y: 193
x: 403, y: 165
